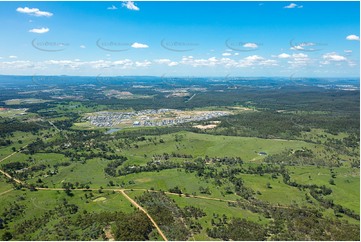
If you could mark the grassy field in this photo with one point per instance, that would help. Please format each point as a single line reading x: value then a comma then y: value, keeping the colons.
x: 278, y: 193
x: 24, y: 138
x: 38, y: 202
x: 4, y: 186
x: 164, y: 180
x: 200, y: 145
x: 215, y: 207
x: 212, y: 209
x: 273, y: 190
x: 346, y: 190
x: 92, y: 173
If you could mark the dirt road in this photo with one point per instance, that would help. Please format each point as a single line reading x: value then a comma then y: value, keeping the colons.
x: 146, y: 213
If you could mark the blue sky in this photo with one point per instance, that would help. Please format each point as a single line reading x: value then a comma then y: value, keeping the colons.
x: 308, y: 39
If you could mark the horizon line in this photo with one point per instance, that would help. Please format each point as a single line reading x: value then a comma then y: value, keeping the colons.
x: 190, y: 76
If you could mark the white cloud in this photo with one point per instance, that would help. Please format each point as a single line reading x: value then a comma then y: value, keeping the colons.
x: 139, y: 45
x: 353, y: 37
x: 100, y: 64
x: 125, y: 62
x: 348, y: 51
x: 250, y: 45
x: 253, y: 60
x: 166, y: 62
x: 112, y: 8
x: 130, y: 5
x: 301, y: 46
x: 333, y: 57
x: 13, y: 57
x: 236, y: 53
x: 34, y: 12
x: 67, y: 64
x: 39, y: 31
x: 16, y: 65
x: 298, y: 60
x: 226, y: 54
x: 297, y: 47
x: 293, y: 5
x: 300, y: 55
x: 212, y: 59
x: 82, y: 46
x: 283, y: 56
x: 162, y: 61
x: 143, y: 63
x: 173, y: 63
x: 190, y: 60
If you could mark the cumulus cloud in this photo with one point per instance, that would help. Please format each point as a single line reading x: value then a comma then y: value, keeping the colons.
x: 139, y: 45
x: 98, y: 64
x: 297, y: 47
x: 166, y: 62
x: 76, y: 64
x: 333, y: 57
x: 293, y: 5
x: 353, y: 37
x: 250, y: 45
x: 301, y: 46
x: 130, y: 5
x: 226, y: 54
x: 143, y: 63
x: 125, y: 62
x: 299, y: 59
x: 16, y: 65
x: 13, y: 57
x: 283, y: 56
x: 82, y: 46
x: 190, y: 60
x: 173, y: 63
x: 34, y: 12
x: 256, y: 60
x: 253, y: 60
x: 162, y: 61
x: 68, y: 64
x: 112, y: 8
x: 39, y: 31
